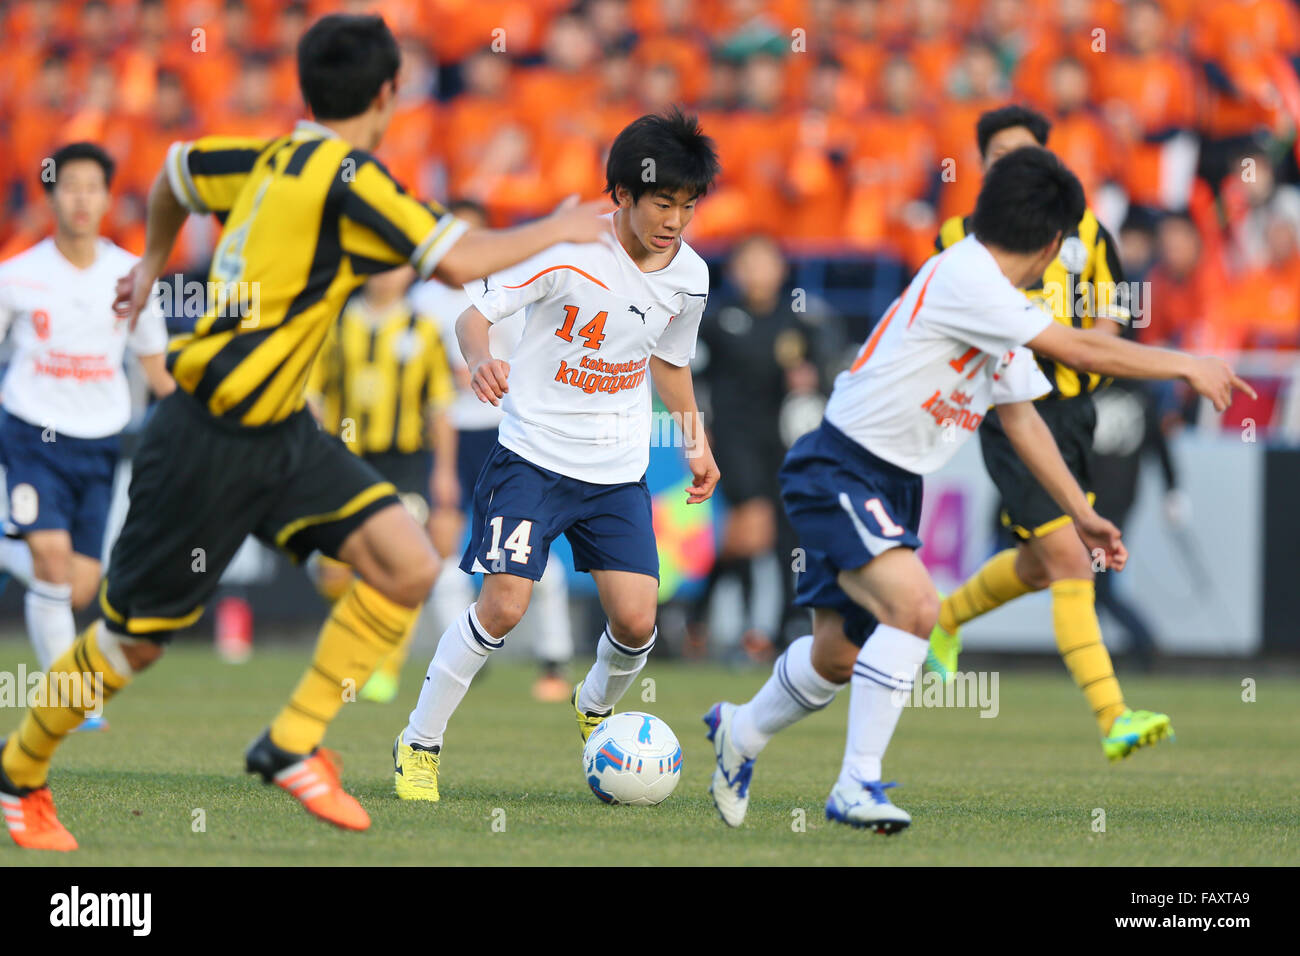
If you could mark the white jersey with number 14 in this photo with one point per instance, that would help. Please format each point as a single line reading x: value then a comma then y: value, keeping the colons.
x: 579, y: 398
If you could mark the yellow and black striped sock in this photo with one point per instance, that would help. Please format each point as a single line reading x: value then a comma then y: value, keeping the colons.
x: 991, y: 586
x: 1078, y: 638
x: 391, y: 666
x: 363, y: 627
x: 81, y: 681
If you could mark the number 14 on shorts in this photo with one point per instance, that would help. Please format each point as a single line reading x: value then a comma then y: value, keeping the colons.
x: 517, y: 543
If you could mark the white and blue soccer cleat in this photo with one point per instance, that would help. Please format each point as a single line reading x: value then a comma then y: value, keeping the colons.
x: 865, y: 805
x: 731, y: 776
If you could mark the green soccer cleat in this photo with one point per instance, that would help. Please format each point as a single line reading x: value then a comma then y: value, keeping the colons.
x: 1133, y: 729
x: 941, y: 659
x: 586, y: 722
x: 380, y: 689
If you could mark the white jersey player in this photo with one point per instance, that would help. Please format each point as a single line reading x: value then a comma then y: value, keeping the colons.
x: 601, y: 321
x: 66, y: 398
x: 949, y: 348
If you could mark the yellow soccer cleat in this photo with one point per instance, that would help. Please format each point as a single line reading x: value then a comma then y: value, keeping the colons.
x: 1133, y: 729
x: 586, y: 722
x: 415, y: 771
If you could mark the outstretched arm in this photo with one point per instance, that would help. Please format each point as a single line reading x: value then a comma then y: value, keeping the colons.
x: 1033, y: 442
x: 1111, y: 355
x: 481, y: 252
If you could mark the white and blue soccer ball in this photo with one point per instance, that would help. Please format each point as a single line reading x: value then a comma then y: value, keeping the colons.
x: 632, y: 759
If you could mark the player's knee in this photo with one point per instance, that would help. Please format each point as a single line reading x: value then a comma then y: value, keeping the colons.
x: 911, y: 609
x: 140, y: 653
x: 413, y: 581
x: 499, y: 616
x: 52, y: 565
x: 926, y: 615
x: 633, y: 628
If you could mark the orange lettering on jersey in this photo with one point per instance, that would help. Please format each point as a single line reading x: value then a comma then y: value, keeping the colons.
x: 592, y: 377
x: 950, y: 411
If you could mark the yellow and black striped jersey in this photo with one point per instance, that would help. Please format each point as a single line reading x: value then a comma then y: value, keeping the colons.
x: 305, y: 219
x: 378, y: 375
x: 1083, y: 283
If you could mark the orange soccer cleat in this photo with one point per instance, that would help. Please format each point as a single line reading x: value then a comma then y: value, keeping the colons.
x: 312, y: 779
x: 30, y: 817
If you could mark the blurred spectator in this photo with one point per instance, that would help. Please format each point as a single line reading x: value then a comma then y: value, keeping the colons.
x: 1148, y: 96
x: 1185, y: 286
x: 1137, y: 246
x: 975, y: 86
x: 756, y: 351
x: 1078, y: 134
x: 894, y: 170
x: 842, y: 122
x: 1263, y: 302
x: 1254, y: 200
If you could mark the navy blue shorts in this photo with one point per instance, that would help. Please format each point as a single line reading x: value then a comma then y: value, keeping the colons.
x: 848, y: 506
x: 519, y: 509
x: 472, y: 449
x: 65, y: 484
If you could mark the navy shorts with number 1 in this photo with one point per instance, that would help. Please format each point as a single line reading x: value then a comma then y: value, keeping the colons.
x: 519, y: 509
x: 848, y: 507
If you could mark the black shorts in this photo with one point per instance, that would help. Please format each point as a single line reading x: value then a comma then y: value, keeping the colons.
x: 409, y: 472
x: 1027, y: 509
x: 749, y: 466
x: 200, y: 486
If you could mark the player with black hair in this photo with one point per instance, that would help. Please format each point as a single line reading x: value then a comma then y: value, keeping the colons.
x: 951, y: 346
x: 306, y: 217
x: 1082, y: 288
x: 574, y: 442
x: 66, y: 399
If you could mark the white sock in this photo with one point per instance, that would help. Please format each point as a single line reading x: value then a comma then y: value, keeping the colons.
x: 615, y: 668
x: 49, y: 620
x: 461, y: 653
x: 16, y: 558
x: 882, y: 681
x: 794, y: 691
x: 554, y: 641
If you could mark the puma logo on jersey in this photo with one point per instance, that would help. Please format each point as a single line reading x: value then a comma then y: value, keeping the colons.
x: 632, y: 308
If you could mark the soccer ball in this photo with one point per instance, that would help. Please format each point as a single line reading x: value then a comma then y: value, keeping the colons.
x: 633, y: 759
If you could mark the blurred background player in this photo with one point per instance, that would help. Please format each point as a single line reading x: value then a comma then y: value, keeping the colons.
x: 475, y: 423
x: 1081, y: 287
x: 381, y: 383
x: 66, y: 397
x: 757, y: 353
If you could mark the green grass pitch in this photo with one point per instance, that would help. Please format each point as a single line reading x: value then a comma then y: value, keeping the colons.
x: 1022, y: 788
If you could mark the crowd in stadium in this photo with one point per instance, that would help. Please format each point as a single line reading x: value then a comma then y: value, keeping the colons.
x: 841, y: 124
